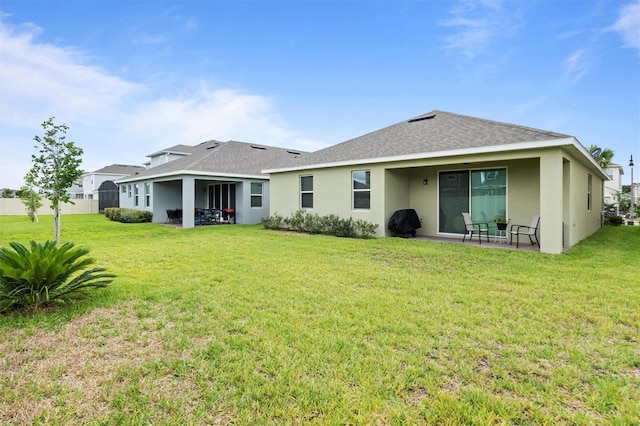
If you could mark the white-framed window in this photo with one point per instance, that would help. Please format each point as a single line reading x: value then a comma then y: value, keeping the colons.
x: 306, y: 192
x: 129, y: 190
x: 147, y: 194
x: 124, y: 189
x: 589, y: 191
x: 136, y: 188
x: 256, y: 194
x: 361, y: 186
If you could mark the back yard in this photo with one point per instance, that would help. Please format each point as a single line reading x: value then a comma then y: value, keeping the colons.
x: 240, y: 325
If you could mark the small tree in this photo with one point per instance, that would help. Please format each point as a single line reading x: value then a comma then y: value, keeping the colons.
x: 31, y: 200
x: 55, y: 169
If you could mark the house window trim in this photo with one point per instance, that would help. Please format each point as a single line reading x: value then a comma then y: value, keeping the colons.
x: 302, y: 192
x: 354, y: 190
x: 253, y: 195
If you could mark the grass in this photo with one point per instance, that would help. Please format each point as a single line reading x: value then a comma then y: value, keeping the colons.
x: 240, y: 325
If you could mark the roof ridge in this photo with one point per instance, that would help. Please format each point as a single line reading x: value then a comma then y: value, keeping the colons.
x: 504, y: 123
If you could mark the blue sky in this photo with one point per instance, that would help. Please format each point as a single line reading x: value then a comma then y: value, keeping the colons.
x: 132, y: 77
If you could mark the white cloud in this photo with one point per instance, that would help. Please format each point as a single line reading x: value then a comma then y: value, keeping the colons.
x: 476, y: 24
x: 39, y: 80
x: 111, y: 119
x: 628, y: 25
x: 575, y: 67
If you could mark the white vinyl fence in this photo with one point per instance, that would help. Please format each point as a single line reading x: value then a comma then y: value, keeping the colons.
x: 13, y: 206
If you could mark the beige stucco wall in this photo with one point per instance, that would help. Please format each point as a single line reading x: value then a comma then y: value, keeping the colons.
x: 13, y: 206
x: 582, y: 221
x: 558, y: 195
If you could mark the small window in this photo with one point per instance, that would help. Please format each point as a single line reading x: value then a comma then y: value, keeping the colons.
x: 589, y: 189
x: 361, y: 185
x: 256, y: 194
x: 147, y: 194
x: 306, y: 192
x: 135, y: 191
x: 124, y: 189
x: 129, y: 190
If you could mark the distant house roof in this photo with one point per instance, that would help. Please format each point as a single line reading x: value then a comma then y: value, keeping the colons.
x: 230, y: 158
x: 176, y: 149
x: 433, y: 132
x: 117, y: 169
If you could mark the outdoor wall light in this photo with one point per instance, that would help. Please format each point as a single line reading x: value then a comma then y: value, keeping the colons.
x: 425, y: 182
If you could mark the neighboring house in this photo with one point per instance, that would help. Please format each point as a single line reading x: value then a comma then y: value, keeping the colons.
x: 443, y: 164
x: 75, y: 190
x: 92, y: 181
x: 613, y: 187
x: 211, y: 175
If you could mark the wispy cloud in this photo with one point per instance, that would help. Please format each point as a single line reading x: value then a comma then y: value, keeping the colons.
x: 475, y: 24
x: 575, y: 67
x: 628, y: 25
x: 39, y: 80
x: 112, y: 119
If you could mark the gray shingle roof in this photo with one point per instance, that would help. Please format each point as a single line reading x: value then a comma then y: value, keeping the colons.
x: 119, y: 169
x: 428, y: 133
x: 183, y: 149
x: 232, y: 157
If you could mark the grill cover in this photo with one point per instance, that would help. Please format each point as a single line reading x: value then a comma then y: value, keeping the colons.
x: 404, y: 223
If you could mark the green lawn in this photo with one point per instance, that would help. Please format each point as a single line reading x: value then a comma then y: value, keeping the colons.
x: 240, y: 325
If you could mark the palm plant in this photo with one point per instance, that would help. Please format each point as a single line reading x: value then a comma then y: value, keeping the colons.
x: 46, y: 273
x: 603, y: 157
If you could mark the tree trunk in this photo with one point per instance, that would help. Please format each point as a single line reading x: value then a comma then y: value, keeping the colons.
x: 56, y: 224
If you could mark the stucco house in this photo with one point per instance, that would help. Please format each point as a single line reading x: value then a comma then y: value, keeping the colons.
x: 210, y: 175
x: 614, y: 186
x: 442, y: 164
x: 92, y: 181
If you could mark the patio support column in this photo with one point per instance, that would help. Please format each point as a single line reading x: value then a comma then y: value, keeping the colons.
x: 188, y: 204
x: 551, y: 201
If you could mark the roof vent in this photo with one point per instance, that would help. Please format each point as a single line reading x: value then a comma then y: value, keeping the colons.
x: 293, y: 152
x: 212, y: 146
x: 426, y: 117
x: 258, y: 147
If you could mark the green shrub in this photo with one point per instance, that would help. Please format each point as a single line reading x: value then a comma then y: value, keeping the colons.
x: 275, y: 221
x: 46, y: 273
x: 312, y: 223
x: 329, y: 223
x: 365, y: 229
x: 296, y: 221
x: 345, y: 228
x: 123, y: 215
x: 613, y: 220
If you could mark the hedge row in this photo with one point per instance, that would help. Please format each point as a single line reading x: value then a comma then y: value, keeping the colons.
x: 312, y: 223
x: 118, y: 214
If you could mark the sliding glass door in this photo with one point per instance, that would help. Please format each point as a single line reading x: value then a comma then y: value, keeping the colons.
x: 454, y: 200
x: 479, y: 192
x: 222, y: 196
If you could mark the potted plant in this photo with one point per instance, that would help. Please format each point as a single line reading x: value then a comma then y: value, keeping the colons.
x: 501, y: 222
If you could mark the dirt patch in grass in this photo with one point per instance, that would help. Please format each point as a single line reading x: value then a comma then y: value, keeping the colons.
x: 79, y: 367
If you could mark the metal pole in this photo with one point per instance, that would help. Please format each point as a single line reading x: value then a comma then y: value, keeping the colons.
x: 632, y: 191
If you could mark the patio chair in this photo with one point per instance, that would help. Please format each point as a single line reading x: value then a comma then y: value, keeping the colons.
x: 172, y: 216
x: 474, y: 228
x: 528, y: 230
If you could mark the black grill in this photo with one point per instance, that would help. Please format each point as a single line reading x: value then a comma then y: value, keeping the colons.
x: 403, y: 223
